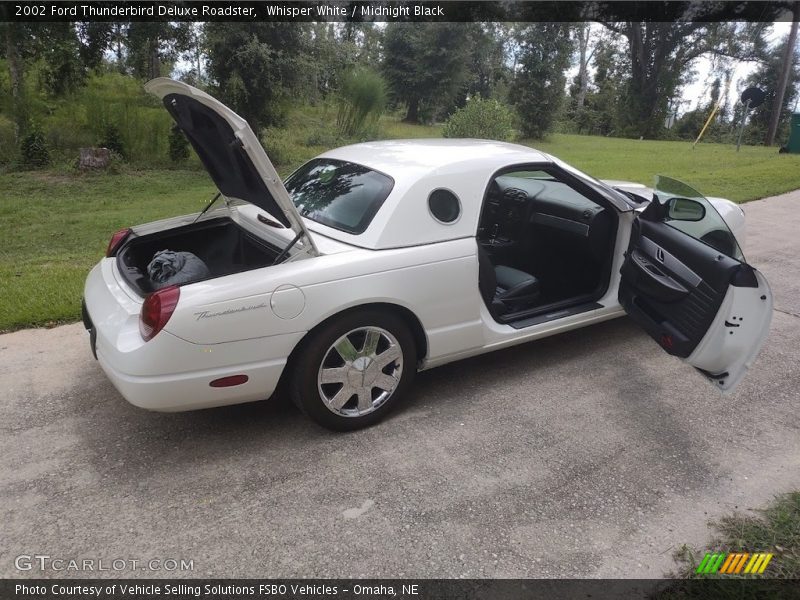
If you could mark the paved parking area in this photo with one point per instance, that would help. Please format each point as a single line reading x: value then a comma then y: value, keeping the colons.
x: 589, y: 454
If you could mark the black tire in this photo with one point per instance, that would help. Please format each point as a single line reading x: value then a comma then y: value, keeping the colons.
x: 303, y: 383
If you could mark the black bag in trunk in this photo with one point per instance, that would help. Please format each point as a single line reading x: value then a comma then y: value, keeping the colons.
x: 174, y: 268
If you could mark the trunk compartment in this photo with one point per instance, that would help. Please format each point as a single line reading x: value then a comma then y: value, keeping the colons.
x: 221, y: 243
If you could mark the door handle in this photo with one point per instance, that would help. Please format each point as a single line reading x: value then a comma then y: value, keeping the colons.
x: 653, y: 282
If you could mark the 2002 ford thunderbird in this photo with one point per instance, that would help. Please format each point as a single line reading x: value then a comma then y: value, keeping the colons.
x: 373, y: 261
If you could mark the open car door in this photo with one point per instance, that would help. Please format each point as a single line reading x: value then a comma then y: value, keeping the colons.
x: 685, y: 281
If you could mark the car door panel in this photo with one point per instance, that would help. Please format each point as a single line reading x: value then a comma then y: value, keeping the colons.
x: 733, y: 341
x: 677, y: 320
x: 698, y: 303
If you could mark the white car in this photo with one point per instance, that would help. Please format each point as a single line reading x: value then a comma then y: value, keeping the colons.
x: 374, y: 261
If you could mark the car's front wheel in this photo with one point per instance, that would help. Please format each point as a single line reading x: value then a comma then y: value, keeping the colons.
x: 354, y: 369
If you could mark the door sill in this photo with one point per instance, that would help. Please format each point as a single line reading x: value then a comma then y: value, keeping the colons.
x: 554, y: 313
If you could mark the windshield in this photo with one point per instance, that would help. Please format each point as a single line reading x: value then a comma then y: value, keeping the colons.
x: 691, y: 212
x: 338, y: 194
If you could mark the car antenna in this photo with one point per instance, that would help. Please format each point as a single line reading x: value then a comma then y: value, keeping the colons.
x: 207, y: 206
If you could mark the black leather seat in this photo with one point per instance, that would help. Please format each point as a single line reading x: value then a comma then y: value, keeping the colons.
x: 505, y: 289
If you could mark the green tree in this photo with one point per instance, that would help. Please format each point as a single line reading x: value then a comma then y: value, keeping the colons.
x: 542, y: 56
x: 335, y: 50
x: 256, y: 66
x: 603, y: 101
x: 63, y: 52
x: 94, y: 38
x: 766, y: 77
x: 57, y: 46
x: 487, y: 65
x: 425, y: 65
x: 660, y: 55
x: 151, y: 45
x: 332, y: 53
x: 14, y: 38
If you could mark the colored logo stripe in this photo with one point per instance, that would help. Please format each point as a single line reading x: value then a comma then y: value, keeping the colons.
x: 711, y: 562
x: 734, y: 563
x: 758, y: 563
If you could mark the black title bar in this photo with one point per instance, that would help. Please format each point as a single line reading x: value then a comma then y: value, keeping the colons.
x: 394, y: 589
x: 426, y: 10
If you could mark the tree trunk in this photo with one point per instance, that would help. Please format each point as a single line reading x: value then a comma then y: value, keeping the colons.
x: 15, y: 73
x: 412, y: 116
x: 583, y: 65
x: 646, y: 44
x: 197, y: 52
x: 788, y: 63
x: 120, y: 61
x: 154, y: 62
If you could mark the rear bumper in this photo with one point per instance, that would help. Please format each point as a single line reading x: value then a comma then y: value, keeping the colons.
x: 190, y: 391
x: 168, y: 373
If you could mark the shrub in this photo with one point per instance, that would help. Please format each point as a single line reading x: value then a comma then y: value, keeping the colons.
x: 8, y: 142
x: 362, y: 99
x: 281, y: 146
x: 485, y: 119
x: 112, y: 139
x: 33, y: 149
x: 178, y: 145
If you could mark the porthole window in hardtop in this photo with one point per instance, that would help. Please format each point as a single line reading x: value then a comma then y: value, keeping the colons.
x: 338, y: 194
x: 444, y: 206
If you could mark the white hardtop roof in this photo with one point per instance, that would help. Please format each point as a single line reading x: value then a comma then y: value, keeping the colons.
x: 462, y: 166
x: 417, y: 157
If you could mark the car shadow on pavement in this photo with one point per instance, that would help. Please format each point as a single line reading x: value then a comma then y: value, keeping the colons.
x: 545, y: 387
x: 439, y: 397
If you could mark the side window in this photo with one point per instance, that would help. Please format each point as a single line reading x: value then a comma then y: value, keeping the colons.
x: 444, y: 206
x: 690, y: 212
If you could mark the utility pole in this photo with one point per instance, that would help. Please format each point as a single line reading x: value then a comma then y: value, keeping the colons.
x: 788, y: 60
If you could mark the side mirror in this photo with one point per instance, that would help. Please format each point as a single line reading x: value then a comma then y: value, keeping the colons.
x: 683, y: 209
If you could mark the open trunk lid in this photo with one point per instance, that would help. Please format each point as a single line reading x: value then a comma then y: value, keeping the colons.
x: 231, y: 153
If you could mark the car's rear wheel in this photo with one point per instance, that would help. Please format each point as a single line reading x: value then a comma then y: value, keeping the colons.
x: 352, y: 371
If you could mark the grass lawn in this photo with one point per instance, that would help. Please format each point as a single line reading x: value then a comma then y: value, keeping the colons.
x: 713, y: 169
x: 774, y: 530
x: 55, y: 226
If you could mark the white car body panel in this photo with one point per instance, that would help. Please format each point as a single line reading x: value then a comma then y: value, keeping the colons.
x: 733, y: 346
x: 250, y: 322
x: 195, y: 349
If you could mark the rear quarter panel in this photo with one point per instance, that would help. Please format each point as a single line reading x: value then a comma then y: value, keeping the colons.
x: 437, y: 282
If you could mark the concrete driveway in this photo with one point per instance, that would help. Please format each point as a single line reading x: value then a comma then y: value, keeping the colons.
x: 586, y: 455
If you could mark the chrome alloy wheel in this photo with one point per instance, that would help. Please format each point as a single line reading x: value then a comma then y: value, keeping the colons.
x: 360, y: 371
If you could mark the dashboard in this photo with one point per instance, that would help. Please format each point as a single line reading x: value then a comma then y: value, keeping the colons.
x: 514, y: 203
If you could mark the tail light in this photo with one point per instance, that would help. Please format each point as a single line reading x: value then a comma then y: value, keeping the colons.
x: 157, y: 310
x: 116, y: 240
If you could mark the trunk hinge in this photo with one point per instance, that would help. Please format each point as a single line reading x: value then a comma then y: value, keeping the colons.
x: 285, y: 251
